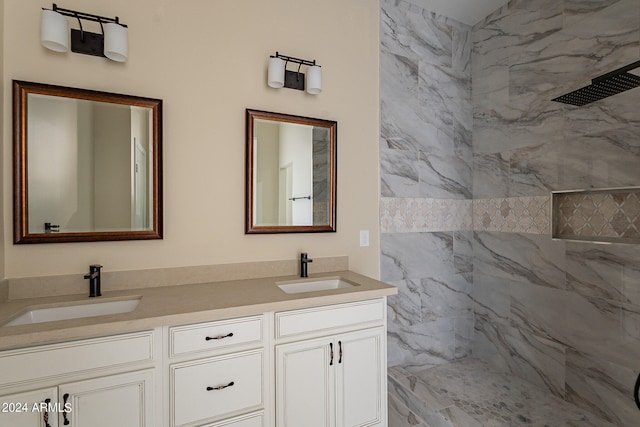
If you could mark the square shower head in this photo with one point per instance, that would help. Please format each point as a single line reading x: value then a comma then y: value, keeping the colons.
x: 613, y: 83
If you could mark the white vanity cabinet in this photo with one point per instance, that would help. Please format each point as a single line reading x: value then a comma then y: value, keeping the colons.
x: 96, y: 382
x: 318, y: 366
x: 217, y: 374
x: 331, y: 366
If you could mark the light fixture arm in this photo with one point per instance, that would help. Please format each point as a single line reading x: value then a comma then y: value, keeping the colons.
x: 80, y: 24
x: 295, y: 60
x: 84, y: 15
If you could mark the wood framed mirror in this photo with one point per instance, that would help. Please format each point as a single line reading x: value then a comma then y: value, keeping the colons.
x: 87, y: 165
x: 291, y: 172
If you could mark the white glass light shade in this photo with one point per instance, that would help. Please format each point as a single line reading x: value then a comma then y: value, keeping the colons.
x: 275, y: 76
x: 54, y: 31
x: 314, y: 80
x: 116, y: 42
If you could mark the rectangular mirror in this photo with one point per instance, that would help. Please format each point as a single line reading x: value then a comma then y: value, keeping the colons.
x: 87, y: 165
x: 291, y: 173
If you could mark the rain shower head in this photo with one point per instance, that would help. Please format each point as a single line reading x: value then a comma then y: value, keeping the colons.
x: 612, y: 83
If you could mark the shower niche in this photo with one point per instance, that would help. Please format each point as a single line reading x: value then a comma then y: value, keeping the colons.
x: 601, y: 215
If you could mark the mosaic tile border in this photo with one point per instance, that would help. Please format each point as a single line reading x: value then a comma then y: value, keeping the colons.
x: 611, y: 215
x: 413, y: 215
x: 513, y: 214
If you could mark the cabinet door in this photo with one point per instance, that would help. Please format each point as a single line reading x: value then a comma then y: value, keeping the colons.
x: 31, y: 409
x: 305, y: 383
x: 360, y: 378
x: 124, y: 400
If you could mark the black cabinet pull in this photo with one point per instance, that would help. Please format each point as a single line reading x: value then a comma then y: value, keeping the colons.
x: 45, y: 416
x: 219, y: 337
x: 636, y: 390
x: 221, y: 387
x: 64, y: 410
x: 331, y: 353
x: 339, y: 351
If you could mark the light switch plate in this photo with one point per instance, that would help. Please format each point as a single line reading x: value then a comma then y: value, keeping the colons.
x: 364, y: 238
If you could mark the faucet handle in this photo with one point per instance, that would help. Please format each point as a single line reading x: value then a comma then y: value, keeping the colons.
x: 94, y: 267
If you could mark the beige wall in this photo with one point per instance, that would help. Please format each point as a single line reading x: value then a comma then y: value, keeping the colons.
x: 207, y: 61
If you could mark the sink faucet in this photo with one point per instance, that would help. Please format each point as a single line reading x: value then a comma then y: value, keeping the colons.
x: 304, y: 260
x: 94, y: 280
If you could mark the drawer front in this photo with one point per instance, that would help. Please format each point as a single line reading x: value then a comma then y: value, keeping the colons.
x: 216, y: 387
x: 56, y: 360
x: 252, y: 420
x: 326, y: 319
x: 213, y: 335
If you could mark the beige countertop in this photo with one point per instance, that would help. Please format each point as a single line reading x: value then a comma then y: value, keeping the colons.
x: 179, y: 304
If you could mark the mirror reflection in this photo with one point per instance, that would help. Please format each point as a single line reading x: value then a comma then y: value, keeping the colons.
x: 291, y: 187
x: 88, y: 165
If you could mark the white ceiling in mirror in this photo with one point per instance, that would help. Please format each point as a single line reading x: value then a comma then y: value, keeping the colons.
x: 468, y: 12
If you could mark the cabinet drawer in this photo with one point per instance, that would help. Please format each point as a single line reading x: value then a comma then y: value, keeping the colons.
x: 252, y: 420
x: 328, y: 318
x: 213, y: 335
x: 212, y: 388
x: 58, y: 360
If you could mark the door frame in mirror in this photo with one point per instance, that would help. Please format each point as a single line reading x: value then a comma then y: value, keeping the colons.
x: 332, y: 126
x: 21, y: 235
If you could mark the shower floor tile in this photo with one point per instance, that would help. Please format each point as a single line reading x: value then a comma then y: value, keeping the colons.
x: 439, y: 395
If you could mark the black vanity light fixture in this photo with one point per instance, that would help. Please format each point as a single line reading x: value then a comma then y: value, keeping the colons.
x: 604, y: 86
x: 279, y: 76
x: 113, y: 43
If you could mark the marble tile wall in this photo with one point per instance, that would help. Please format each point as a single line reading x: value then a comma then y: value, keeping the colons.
x: 562, y: 314
x: 426, y: 162
x: 471, y: 147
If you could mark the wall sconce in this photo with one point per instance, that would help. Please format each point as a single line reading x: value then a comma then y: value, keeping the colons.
x: 278, y: 76
x: 113, y: 43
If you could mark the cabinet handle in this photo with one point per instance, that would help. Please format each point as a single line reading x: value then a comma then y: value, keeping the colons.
x: 64, y: 410
x: 339, y: 351
x: 331, y: 353
x: 45, y: 416
x: 220, y: 387
x: 219, y: 337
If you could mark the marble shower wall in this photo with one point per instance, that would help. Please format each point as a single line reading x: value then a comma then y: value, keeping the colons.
x: 562, y: 314
x: 426, y: 183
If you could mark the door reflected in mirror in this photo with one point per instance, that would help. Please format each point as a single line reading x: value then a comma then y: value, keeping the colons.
x: 291, y: 173
x: 87, y: 165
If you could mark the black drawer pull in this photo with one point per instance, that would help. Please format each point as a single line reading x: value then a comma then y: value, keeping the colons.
x: 64, y: 411
x: 219, y: 337
x: 220, y: 387
x: 331, y: 353
x: 45, y: 417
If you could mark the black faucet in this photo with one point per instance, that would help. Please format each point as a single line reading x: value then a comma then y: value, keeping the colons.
x: 94, y: 280
x: 304, y: 260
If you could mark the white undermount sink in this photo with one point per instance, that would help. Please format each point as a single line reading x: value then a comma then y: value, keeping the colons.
x: 314, y: 285
x: 74, y: 311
